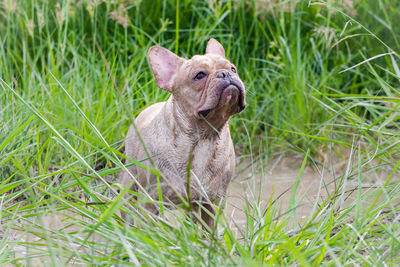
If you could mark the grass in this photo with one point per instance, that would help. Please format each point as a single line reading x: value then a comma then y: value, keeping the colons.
x: 74, y: 75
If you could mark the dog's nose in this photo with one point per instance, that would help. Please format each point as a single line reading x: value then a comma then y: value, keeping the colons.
x: 223, y: 74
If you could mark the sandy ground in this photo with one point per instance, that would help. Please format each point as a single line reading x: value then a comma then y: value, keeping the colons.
x: 281, y: 177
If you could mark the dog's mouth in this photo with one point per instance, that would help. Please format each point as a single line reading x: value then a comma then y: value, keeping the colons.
x: 204, y: 113
x: 232, y: 90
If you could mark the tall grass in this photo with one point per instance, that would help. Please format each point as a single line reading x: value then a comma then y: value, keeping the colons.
x: 74, y: 75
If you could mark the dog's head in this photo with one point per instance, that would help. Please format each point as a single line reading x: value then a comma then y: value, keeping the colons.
x: 206, y: 86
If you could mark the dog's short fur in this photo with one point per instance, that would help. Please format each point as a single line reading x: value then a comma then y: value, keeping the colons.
x: 191, y: 127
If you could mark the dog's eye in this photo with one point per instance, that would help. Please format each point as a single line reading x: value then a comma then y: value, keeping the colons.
x: 200, y: 75
x: 233, y: 69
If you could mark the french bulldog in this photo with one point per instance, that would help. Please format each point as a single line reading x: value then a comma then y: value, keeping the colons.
x: 187, y: 138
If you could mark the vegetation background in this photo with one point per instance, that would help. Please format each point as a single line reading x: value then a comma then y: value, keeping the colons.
x: 322, y: 79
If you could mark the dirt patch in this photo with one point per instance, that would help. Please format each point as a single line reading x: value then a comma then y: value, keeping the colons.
x: 282, y: 177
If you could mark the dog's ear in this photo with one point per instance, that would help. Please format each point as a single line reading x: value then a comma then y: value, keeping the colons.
x: 214, y: 47
x: 165, y: 65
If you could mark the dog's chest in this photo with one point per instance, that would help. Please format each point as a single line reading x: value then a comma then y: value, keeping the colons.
x: 206, y: 159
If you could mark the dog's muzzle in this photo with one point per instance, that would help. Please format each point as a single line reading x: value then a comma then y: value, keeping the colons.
x: 226, y: 81
x: 231, y: 80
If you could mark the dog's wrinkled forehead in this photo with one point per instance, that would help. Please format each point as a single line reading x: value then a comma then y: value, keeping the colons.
x: 208, y: 61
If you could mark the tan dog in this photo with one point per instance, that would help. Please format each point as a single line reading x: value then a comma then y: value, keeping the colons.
x: 189, y: 129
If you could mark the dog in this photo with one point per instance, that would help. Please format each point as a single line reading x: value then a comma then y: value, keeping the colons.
x: 187, y: 137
